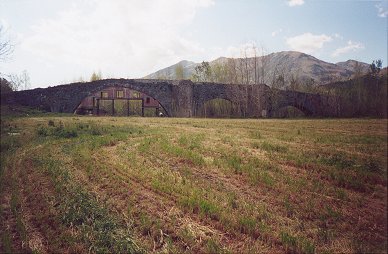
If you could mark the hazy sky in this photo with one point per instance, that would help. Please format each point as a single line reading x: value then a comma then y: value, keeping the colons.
x: 58, y: 41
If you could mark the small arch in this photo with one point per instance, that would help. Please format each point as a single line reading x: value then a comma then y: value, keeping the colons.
x: 291, y: 110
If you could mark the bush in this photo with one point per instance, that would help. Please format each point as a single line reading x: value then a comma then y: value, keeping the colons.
x: 42, y: 131
x: 67, y: 134
x: 51, y: 123
x: 59, y: 132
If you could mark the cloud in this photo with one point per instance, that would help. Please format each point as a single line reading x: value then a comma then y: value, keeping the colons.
x: 295, y: 2
x: 338, y: 36
x: 382, y: 9
x: 121, y: 37
x: 307, y: 42
x: 276, y: 32
x: 351, y: 46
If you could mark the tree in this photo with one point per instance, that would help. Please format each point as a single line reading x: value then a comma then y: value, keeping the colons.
x: 219, y: 72
x: 231, y: 71
x: 25, y: 80
x: 19, y: 81
x: 5, y: 85
x: 254, y: 48
x: 376, y: 66
x: 357, y: 70
x: 179, y: 72
x: 203, y: 72
x: 294, y: 82
x: 96, y: 76
x: 264, y: 61
x: 246, y: 66
x: 6, y: 47
x: 16, y: 81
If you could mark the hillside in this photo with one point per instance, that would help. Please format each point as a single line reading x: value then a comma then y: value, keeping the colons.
x: 290, y: 64
x: 169, y: 72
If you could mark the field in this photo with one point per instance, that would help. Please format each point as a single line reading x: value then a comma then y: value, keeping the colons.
x: 116, y: 184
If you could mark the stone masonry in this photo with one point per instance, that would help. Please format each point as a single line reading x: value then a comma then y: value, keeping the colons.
x: 179, y: 98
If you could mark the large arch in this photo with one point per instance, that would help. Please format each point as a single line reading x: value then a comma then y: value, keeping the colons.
x: 309, y: 104
x: 161, y: 91
x: 127, y: 91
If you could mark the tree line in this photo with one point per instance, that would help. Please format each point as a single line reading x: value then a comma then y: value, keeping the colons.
x: 364, y: 94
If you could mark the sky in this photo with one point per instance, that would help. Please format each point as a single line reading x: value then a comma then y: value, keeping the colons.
x: 62, y: 41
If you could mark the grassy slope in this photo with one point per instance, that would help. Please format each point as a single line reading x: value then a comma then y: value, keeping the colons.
x: 70, y: 184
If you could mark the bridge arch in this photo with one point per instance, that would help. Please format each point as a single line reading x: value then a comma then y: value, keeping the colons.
x: 122, y: 100
x: 294, y: 104
x: 203, y: 93
x: 218, y: 108
x: 160, y: 91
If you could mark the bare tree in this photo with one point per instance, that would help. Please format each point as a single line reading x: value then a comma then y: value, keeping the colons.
x: 254, y: 48
x: 294, y: 82
x: 219, y: 72
x: 19, y: 81
x: 179, y: 71
x: 6, y: 47
x: 15, y: 81
x: 25, y: 79
x: 246, y: 66
x: 264, y: 59
x: 231, y: 71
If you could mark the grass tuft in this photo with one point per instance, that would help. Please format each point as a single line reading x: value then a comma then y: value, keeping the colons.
x: 269, y: 147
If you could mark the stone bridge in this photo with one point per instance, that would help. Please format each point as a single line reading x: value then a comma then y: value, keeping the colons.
x: 179, y: 98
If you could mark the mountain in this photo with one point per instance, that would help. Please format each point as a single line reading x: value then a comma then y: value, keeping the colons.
x: 169, y: 72
x: 352, y: 65
x: 289, y: 64
x: 307, y: 68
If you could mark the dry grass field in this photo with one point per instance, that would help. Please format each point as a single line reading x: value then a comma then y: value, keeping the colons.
x: 111, y: 184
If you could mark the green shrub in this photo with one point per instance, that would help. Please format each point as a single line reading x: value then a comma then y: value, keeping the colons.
x: 234, y: 162
x: 42, y: 131
x: 213, y: 247
x: 247, y: 225
x: 289, y: 241
x: 339, y: 160
x: 68, y: 133
x: 197, y: 204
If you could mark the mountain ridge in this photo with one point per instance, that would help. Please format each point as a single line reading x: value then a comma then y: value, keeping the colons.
x: 290, y: 65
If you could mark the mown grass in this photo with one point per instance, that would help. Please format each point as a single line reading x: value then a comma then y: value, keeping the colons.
x: 202, y: 185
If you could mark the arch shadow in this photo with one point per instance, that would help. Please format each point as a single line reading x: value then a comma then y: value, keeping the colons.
x: 218, y: 108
